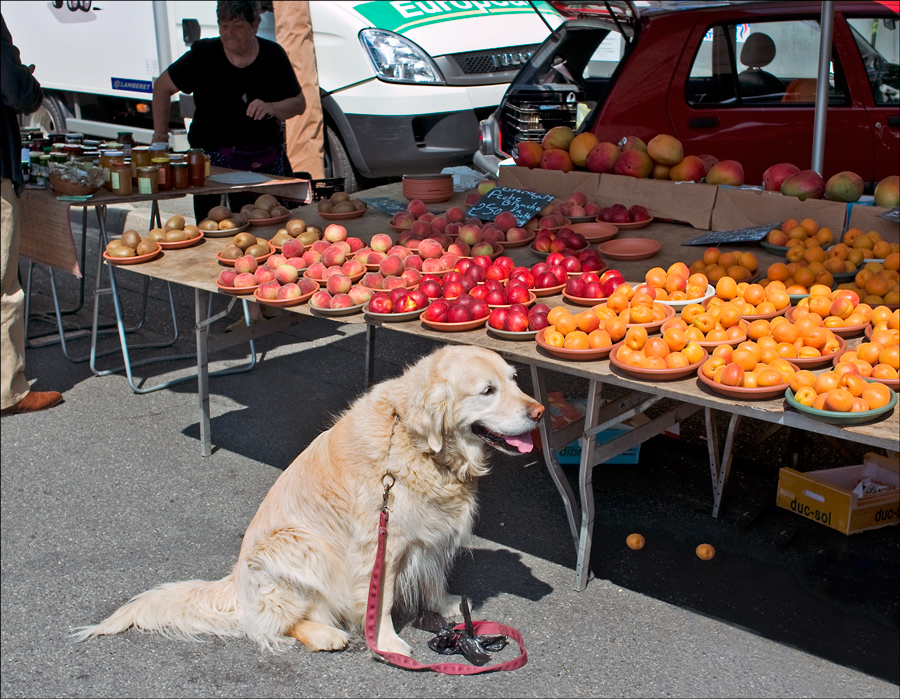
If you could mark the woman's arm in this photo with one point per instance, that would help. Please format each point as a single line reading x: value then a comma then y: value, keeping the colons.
x: 283, y: 110
x: 163, y: 89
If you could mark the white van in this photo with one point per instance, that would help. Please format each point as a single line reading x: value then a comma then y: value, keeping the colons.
x: 403, y: 84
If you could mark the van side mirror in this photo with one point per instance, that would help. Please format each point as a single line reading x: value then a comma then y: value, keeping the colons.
x: 190, y: 30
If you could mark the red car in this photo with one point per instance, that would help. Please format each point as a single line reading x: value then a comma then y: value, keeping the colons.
x: 736, y: 80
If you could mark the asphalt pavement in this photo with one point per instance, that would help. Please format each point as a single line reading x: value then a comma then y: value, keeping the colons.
x: 107, y: 495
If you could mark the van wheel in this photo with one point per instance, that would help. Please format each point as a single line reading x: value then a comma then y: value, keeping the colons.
x: 50, y: 117
x: 337, y: 162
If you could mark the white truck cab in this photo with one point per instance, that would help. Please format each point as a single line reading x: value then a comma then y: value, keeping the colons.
x: 403, y: 84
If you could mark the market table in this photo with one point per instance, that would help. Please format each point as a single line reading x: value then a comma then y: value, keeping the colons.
x: 46, y: 237
x: 197, y: 267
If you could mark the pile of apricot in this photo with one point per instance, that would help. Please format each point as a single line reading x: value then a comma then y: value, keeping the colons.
x: 874, y: 247
x: 633, y: 305
x: 676, y: 283
x: 840, y: 308
x: 845, y: 392
x: 671, y: 351
x: 798, y: 277
x: 805, y: 338
x: 584, y: 330
x: 750, y: 299
x: 806, y: 233
x: 713, y: 324
x: 747, y: 366
x: 877, y: 283
x: 715, y: 264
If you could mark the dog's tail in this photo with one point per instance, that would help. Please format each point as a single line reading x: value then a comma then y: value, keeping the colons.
x: 183, y: 609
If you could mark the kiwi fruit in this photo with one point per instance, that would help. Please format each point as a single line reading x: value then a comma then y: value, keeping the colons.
x: 258, y: 250
x: 227, y: 224
x: 238, y: 220
x: 358, y: 205
x: 130, y: 239
x: 192, y: 231
x: 344, y: 207
x: 244, y: 240
x: 325, y: 207
x: 232, y: 252
x: 247, y: 208
x: 281, y: 237
x: 315, y: 229
x: 266, y: 202
x: 157, y: 234
x: 121, y: 251
x: 308, y: 237
x: 177, y: 236
x: 278, y: 211
x: 219, y: 213
x: 175, y: 223
x: 295, y: 226
x: 257, y: 214
x: 208, y: 224
x: 114, y: 243
x: 339, y: 197
x: 146, y: 246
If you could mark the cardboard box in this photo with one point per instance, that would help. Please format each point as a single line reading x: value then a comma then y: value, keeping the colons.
x: 571, y: 453
x: 688, y: 202
x: 827, y: 496
x: 865, y: 218
x: 738, y: 207
x: 559, y: 184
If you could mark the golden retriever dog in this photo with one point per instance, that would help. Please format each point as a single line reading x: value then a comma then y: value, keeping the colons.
x: 306, y: 559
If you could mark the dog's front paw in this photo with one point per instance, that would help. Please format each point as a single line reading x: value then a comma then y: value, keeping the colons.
x: 448, y: 606
x: 394, y: 644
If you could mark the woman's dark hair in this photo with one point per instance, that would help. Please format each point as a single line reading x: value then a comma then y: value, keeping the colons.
x: 226, y: 11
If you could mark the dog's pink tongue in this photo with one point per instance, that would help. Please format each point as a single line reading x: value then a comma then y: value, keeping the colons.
x: 522, y: 442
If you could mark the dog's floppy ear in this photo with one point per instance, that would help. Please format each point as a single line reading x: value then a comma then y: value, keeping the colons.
x: 426, y: 412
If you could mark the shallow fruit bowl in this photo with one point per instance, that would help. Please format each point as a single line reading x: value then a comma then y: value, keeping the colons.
x: 137, y: 259
x: 775, y: 249
x: 845, y: 332
x: 262, y: 258
x: 583, y: 300
x: 453, y: 327
x: 391, y: 317
x: 284, y: 303
x: 835, y: 418
x: 742, y: 393
x: 595, y: 231
x: 548, y: 291
x: 182, y: 243
x: 337, y: 312
x: 259, y: 222
x: 629, y: 248
x: 580, y: 355
x: 237, y: 290
x: 657, y: 374
x: 768, y: 316
x: 890, y: 383
x: 344, y: 216
x: 519, y: 243
x: 226, y: 232
x: 678, y: 305
x: 819, y: 362
x: 511, y: 335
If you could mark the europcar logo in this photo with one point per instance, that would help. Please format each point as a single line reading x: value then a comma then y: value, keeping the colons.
x: 404, y: 15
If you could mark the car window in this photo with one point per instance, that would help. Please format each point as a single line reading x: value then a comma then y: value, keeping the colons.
x: 878, y: 41
x: 762, y: 63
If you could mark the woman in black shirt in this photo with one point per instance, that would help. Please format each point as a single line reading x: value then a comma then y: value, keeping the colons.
x: 244, y: 89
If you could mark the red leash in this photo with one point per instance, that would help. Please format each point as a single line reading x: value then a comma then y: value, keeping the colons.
x: 481, y: 627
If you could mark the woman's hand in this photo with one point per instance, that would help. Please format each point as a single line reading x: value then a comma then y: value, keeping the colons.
x: 258, y: 109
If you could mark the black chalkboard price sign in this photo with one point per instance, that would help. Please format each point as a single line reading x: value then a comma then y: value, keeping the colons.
x: 753, y: 234
x: 892, y: 215
x: 521, y: 204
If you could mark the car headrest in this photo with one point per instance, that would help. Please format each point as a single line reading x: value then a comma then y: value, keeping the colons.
x: 758, y: 51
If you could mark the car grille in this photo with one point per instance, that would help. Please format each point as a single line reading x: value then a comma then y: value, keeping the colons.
x: 499, y: 60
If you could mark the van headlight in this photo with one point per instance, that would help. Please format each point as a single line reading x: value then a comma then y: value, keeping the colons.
x: 397, y: 59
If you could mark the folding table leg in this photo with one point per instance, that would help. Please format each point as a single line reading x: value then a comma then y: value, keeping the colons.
x: 720, y: 467
x: 370, y: 355
x: 201, y: 301
x: 586, y: 487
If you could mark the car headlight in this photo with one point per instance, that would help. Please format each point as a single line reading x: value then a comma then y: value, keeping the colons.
x: 397, y: 59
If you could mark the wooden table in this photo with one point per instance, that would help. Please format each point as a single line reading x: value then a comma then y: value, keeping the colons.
x: 197, y: 267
